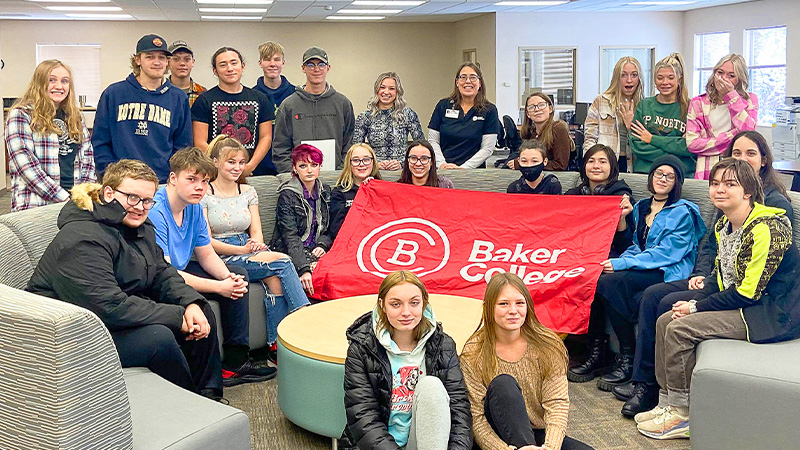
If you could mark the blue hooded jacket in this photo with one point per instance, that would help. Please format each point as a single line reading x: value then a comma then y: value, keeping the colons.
x: 135, y: 123
x: 276, y: 95
x: 671, y: 243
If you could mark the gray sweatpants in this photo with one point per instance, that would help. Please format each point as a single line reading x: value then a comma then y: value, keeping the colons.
x: 430, y: 416
x: 676, y: 344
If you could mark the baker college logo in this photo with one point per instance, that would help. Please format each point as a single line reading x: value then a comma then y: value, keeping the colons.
x: 412, y: 244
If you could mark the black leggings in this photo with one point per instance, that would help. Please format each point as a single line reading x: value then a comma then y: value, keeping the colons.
x: 505, y: 411
x: 192, y: 365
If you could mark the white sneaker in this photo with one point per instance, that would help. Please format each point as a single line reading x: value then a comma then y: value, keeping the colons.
x: 670, y: 425
x: 650, y: 415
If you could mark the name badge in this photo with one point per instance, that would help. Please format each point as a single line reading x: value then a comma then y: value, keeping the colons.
x: 477, y: 118
x: 451, y: 114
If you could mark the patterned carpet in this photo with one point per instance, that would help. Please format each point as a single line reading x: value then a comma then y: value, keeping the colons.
x: 594, y: 419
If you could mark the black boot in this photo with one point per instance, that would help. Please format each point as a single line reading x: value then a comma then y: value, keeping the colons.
x: 596, y: 362
x: 622, y: 372
x: 624, y: 391
x: 645, y: 398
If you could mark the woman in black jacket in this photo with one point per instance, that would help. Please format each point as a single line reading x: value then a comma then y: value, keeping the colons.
x: 302, y: 214
x: 403, y: 386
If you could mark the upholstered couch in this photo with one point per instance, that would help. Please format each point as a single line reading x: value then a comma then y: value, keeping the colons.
x: 61, y: 384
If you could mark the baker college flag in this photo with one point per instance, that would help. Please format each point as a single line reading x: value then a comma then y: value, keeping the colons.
x: 455, y: 240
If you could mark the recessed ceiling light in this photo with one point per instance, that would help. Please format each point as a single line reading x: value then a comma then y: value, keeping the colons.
x: 388, y: 2
x: 233, y: 10
x: 355, y: 17
x: 368, y: 11
x: 665, y: 3
x: 234, y: 2
x: 85, y: 8
x: 231, y: 17
x: 100, y: 16
x: 532, y: 3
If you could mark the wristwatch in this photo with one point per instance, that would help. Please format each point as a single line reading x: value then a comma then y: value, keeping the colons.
x: 692, y: 306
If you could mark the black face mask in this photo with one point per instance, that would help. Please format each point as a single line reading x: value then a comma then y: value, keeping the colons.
x: 532, y: 173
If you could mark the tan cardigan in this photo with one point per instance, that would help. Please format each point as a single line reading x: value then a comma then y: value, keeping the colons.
x: 546, y: 400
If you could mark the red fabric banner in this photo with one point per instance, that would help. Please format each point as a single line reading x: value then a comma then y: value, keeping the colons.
x: 455, y: 240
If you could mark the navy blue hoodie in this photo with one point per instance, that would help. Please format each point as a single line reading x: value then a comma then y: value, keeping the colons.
x: 135, y: 123
x: 276, y: 95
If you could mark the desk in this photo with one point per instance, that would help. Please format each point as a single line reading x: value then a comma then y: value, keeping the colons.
x: 312, y: 347
x: 790, y: 167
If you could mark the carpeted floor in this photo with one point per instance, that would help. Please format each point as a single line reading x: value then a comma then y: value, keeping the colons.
x: 594, y: 419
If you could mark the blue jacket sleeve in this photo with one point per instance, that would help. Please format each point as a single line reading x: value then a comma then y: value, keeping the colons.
x: 101, y: 136
x: 672, y: 248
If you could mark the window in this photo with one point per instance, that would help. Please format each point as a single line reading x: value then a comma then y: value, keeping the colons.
x: 709, y: 48
x: 610, y: 55
x: 548, y: 70
x: 84, y: 62
x: 765, y: 53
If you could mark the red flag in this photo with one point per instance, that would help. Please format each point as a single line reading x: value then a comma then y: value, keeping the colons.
x: 455, y: 240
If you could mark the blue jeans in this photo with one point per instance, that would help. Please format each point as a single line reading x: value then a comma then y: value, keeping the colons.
x: 278, y: 306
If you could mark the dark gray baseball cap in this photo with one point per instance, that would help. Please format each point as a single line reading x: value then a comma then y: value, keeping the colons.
x: 315, y: 53
x: 180, y: 46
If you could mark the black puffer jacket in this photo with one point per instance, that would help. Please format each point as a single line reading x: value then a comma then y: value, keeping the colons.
x: 293, y: 217
x: 367, y: 383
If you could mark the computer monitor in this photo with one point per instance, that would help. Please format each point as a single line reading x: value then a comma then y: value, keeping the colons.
x: 581, y: 110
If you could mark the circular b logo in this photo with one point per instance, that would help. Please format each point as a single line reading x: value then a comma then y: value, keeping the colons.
x: 412, y: 244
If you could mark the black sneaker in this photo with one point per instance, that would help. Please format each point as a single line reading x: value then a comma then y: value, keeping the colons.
x: 247, y: 373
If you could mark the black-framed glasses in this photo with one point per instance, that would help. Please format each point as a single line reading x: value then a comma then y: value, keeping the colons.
x: 463, y: 78
x: 134, y: 200
x: 664, y: 176
x: 536, y: 107
x: 361, y: 162
x: 424, y: 160
x: 311, y: 66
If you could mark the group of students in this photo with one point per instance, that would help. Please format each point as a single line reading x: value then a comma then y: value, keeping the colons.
x: 138, y: 277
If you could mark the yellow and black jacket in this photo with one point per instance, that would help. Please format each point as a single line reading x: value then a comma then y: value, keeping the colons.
x: 767, y: 285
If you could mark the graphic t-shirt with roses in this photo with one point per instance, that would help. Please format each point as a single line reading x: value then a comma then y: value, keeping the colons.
x: 237, y: 115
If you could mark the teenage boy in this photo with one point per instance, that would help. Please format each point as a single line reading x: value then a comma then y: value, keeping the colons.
x: 753, y: 294
x: 273, y: 84
x: 105, y: 259
x: 143, y: 117
x: 314, y: 112
x: 181, y: 64
x: 240, y: 112
x: 182, y: 231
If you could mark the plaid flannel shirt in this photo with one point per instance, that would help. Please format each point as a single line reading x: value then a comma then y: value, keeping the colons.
x: 33, y: 163
x: 194, y: 91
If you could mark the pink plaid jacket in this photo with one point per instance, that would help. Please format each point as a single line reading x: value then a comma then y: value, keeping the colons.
x: 33, y: 163
x: 699, y: 137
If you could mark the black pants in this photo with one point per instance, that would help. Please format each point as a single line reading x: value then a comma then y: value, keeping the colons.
x: 621, y: 293
x: 192, y: 365
x: 235, y: 317
x: 505, y: 411
x: 656, y: 300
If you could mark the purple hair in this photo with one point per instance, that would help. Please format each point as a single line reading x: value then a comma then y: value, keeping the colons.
x: 305, y: 152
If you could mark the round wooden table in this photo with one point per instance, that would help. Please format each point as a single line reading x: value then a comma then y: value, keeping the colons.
x: 312, y: 347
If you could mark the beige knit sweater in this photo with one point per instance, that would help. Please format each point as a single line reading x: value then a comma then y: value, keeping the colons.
x: 546, y: 400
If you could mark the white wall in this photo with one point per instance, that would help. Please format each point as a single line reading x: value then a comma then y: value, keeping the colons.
x: 737, y: 18
x: 586, y: 31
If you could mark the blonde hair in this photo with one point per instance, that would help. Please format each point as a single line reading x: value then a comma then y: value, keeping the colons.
x: 346, y: 179
x: 614, y: 91
x: 135, y: 68
x: 399, y: 102
x: 675, y: 62
x: 86, y: 194
x: 223, y: 147
x: 37, y: 103
x: 395, y: 279
x: 739, y: 68
x: 549, y: 347
x: 269, y: 49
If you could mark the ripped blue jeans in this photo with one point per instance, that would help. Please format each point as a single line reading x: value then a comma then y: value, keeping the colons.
x: 278, y: 306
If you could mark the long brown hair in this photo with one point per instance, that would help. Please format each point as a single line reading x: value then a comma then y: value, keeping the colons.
x: 546, y: 343
x: 395, y: 279
x: 481, y: 102
x: 546, y: 136
x: 405, y: 175
x: 768, y: 175
x: 42, y: 109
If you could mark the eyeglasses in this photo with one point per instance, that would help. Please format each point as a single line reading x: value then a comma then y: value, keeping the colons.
x: 134, y: 200
x: 464, y: 78
x: 424, y: 160
x: 177, y: 59
x: 664, y: 176
x: 361, y: 162
x: 537, y: 106
x: 312, y: 66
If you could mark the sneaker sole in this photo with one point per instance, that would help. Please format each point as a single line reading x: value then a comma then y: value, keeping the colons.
x: 606, y: 386
x: 575, y: 378
x: 675, y: 433
x: 230, y: 382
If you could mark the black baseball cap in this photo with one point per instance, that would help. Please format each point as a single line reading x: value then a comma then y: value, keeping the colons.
x: 152, y: 43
